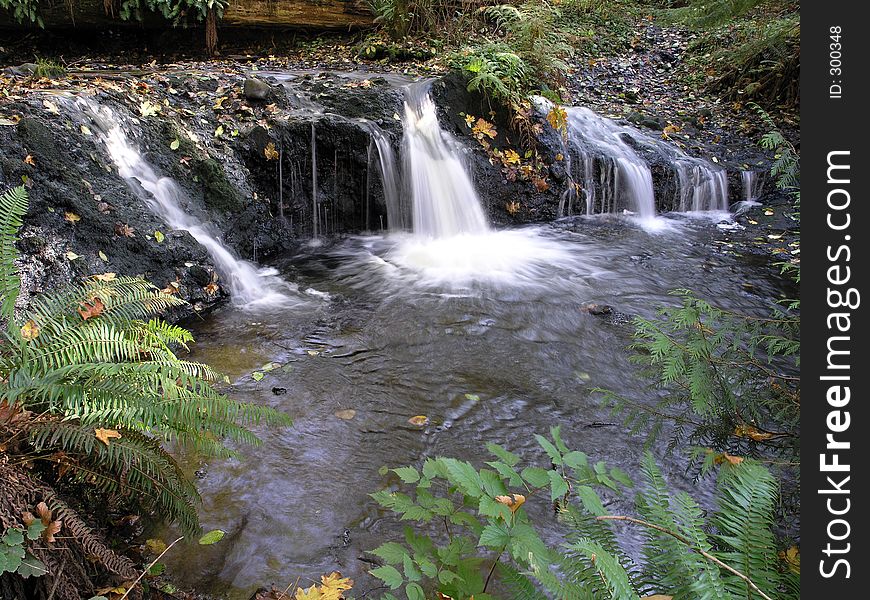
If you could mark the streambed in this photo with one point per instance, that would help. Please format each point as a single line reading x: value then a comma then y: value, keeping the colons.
x: 391, y: 327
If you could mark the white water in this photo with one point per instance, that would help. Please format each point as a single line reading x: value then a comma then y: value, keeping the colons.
x: 445, y: 202
x: 624, y: 180
x: 390, y: 178
x: 749, y: 179
x: 613, y: 177
x: 249, y: 286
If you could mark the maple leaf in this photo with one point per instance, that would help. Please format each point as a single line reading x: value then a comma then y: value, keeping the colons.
x: 123, y: 230
x: 469, y: 120
x: 269, y: 151
x: 312, y: 593
x: 211, y: 288
x: 29, y: 160
x: 541, y: 184
x: 71, y: 217
x: 334, y: 581
x: 484, y: 128
x: 219, y: 104
x: 511, y: 157
x: 558, y: 119
x: 89, y: 310
x: 171, y: 288
x: 512, y: 207
x: 104, y: 435
x: 30, y: 330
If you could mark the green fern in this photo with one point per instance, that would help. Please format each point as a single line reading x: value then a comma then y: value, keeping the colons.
x: 92, y: 356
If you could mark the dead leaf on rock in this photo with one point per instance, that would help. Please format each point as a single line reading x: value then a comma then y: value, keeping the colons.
x: 71, y: 217
x: 123, y: 230
x: 419, y: 420
x: 30, y: 160
x: 346, y: 414
x: 30, y: 330
x: 270, y: 152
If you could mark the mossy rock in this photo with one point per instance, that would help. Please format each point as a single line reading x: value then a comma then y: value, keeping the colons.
x: 218, y: 192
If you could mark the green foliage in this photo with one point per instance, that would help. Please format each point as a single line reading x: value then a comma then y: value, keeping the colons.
x: 786, y: 166
x: 109, y: 385
x: 14, y: 557
x: 730, y: 379
x: 752, y: 46
x: 48, y: 68
x: 24, y: 11
x: 487, y: 533
x: 402, y: 18
x: 172, y: 10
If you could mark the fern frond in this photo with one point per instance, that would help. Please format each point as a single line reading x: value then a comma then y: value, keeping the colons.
x: 13, y: 207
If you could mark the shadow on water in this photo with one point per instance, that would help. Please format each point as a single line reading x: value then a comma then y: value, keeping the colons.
x: 406, y: 326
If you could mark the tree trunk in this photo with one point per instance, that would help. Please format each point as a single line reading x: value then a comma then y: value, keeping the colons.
x: 301, y: 14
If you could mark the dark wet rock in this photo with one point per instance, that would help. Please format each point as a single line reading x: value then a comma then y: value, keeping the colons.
x: 279, y: 391
x: 23, y: 69
x: 256, y: 89
x: 597, y: 309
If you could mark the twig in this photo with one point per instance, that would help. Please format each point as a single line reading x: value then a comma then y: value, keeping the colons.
x: 57, y: 578
x: 687, y: 542
x: 154, y: 562
x: 294, y: 585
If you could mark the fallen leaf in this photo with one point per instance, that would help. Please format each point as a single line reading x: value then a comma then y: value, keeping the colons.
x: 346, y: 414
x: 484, y: 128
x: 792, y: 558
x: 51, y: 529
x: 148, y: 109
x: 71, y: 217
x: 44, y: 513
x: 211, y: 288
x: 51, y: 106
x: 158, y: 235
x: 748, y: 431
x: 84, y: 129
x: 104, y: 435
x: 30, y: 330
x: 29, y: 160
x: 335, y: 582
x: 419, y: 420
x: 212, y: 537
x: 511, y: 157
x: 89, y: 310
x: 123, y: 230
x: 513, y: 502
x: 219, y: 103
x: 71, y: 255
x: 270, y: 152
x: 219, y: 131
x: 174, y: 144
x: 558, y: 119
x: 104, y: 277
x: 103, y: 256
x: 257, y: 375
x: 312, y: 352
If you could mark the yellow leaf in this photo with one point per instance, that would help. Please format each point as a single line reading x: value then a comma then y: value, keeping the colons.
x: 103, y: 256
x: 219, y: 104
x: 511, y: 157
x: 792, y: 558
x: 419, y: 420
x: 158, y: 235
x: 30, y: 330
x: 106, y: 277
x: 558, y: 119
x: 104, y: 435
x: 219, y: 131
x: 29, y: 160
x: 270, y: 152
x: 346, y: 414
x: 334, y: 581
x: 85, y: 131
x: 311, y: 593
x: 484, y: 128
x: 71, y: 217
x: 513, y: 502
x: 469, y: 120
x: 748, y: 431
x: 71, y: 255
x: 155, y: 546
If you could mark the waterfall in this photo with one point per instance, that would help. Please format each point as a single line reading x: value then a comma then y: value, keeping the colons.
x: 625, y: 179
x: 390, y: 178
x: 249, y: 286
x: 614, y: 177
x: 315, y: 213
x: 445, y: 202
x: 750, y: 185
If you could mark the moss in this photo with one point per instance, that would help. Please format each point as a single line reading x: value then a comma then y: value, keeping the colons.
x: 219, y: 193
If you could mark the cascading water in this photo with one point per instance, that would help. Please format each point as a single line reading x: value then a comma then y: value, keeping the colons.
x: 390, y: 178
x: 624, y: 181
x: 749, y: 179
x: 445, y: 202
x: 249, y: 286
x: 614, y: 177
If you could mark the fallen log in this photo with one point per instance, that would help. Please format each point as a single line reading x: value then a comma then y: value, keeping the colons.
x: 295, y: 14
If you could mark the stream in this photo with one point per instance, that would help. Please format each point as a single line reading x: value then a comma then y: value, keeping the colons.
x: 390, y: 338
